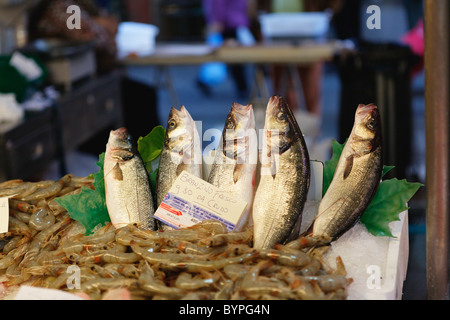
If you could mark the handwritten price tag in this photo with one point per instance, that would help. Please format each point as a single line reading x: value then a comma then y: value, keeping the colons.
x: 191, y: 200
x: 4, y: 215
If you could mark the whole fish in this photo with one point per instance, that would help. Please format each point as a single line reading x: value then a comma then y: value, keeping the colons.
x: 236, y: 158
x: 285, y: 175
x: 181, y: 151
x: 127, y: 187
x: 356, y: 178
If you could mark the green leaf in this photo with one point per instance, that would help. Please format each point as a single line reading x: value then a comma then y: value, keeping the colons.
x: 330, y: 165
x: 389, y: 201
x: 153, y: 177
x: 89, y: 206
x: 150, y: 146
x: 386, y: 169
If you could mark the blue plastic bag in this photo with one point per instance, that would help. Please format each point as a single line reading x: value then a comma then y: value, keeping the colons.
x: 213, y: 73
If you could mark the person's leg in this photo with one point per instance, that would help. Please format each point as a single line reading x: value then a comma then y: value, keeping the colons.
x: 311, y: 77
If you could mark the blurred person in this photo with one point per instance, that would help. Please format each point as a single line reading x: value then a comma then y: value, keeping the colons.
x: 223, y: 19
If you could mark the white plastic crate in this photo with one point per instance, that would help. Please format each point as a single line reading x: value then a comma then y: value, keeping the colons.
x: 294, y: 25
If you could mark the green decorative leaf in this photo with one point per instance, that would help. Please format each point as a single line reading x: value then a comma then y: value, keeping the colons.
x: 389, y: 201
x: 330, y: 165
x: 386, y: 169
x: 153, y: 177
x: 89, y: 206
x: 150, y: 146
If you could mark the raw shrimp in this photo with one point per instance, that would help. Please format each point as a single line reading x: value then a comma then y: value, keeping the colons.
x: 187, y: 282
x: 47, y: 270
x: 22, y: 206
x: 13, y: 255
x: 31, y: 187
x: 14, y: 190
x: 10, y: 183
x: 41, y: 238
x: 329, y: 282
x: 47, y: 192
x: 286, y: 256
x: 199, y: 265
x: 18, y: 227
x: 42, y: 218
x: 120, y: 257
x: 225, y: 238
x: 22, y: 216
x: 100, y: 284
x: 211, y: 226
x: 308, y: 241
x: 126, y: 237
x: 11, y: 244
x: 148, y: 283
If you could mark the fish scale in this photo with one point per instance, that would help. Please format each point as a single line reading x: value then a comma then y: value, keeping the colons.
x: 356, y: 178
x: 127, y: 187
x: 235, y: 161
x: 285, y: 176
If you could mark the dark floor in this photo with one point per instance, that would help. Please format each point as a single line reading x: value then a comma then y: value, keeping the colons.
x: 212, y: 111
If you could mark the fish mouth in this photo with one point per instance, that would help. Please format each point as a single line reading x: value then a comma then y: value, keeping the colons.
x: 241, y: 109
x: 184, y: 114
x: 121, y: 133
x: 244, y: 115
x: 363, y: 110
x: 273, y: 103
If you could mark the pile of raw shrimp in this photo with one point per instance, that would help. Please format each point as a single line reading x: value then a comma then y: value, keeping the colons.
x: 44, y: 247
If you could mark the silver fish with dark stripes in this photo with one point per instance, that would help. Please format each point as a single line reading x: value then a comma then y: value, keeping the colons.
x: 357, y: 176
x: 127, y: 186
x: 285, y: 176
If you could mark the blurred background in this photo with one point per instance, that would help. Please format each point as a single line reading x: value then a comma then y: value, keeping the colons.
x: 70, y: 71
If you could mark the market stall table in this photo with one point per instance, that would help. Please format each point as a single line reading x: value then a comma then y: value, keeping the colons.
x: 286, y: 53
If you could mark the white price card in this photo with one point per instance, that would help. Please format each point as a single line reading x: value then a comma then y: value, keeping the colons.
x: 4, y: 214
x: 191, y: 200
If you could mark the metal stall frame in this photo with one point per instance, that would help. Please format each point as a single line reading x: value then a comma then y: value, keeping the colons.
x: 437, y: 122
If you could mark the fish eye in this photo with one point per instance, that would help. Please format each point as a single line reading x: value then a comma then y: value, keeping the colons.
x: 172, y: 124
x: 230, y: 125
x: 371, y: 124
x: 281, y: 115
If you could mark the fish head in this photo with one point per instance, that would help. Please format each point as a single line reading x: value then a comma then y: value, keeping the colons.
x: 367, y: 126
x: 239, y: 131
x: 281, y: 128
x: 181, y: 132
x: 366, y: 132
x: 120, y: 145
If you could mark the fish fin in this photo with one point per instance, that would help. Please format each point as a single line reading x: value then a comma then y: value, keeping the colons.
x: 238, y: 168
x: 181, y: 168
x: 117, y: 172
x: 348, y: 166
